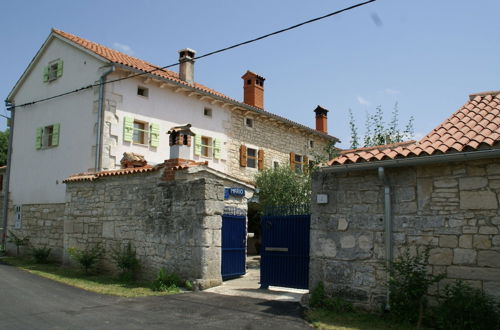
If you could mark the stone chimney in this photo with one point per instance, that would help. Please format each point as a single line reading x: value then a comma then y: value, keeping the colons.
x: 180, y: 142
x: 253, y: 89
x: 186, y: 65
x: 321, y: 119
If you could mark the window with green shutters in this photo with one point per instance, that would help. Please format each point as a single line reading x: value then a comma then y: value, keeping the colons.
x: 128, y: 129
x: 217, y: 148
x: 141, y: 132
x: 154, y: 135
x: 53, y: 70
x: 207, y: 147
x: 48, y: 136
x: 197, y: 145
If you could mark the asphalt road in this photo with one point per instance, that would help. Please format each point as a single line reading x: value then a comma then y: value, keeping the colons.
x: 31, y: 302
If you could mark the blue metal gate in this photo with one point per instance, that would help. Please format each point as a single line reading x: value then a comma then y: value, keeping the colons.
x: 233, y: 246
x: 285, y: 250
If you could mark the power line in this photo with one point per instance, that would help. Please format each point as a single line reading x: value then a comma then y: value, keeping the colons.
x: 198, y: 57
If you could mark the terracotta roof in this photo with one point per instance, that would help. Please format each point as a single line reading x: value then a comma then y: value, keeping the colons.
x: 91, y: 176
x: 138, y: 64
x: 475, y: 125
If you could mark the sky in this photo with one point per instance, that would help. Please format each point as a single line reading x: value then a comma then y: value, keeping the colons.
x: 426, y: 55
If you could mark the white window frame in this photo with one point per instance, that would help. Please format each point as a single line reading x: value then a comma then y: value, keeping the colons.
x: 47, y: 136
x: 144, y: 131
x: 209, y: 147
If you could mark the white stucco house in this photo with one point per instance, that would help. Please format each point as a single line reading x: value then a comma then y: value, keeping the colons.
x: 91, y: 127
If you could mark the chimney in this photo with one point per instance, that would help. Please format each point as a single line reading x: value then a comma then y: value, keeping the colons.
x: 186, y: 65
x: 180, y: 141
x: 253, y: 89
x: 321, y: 119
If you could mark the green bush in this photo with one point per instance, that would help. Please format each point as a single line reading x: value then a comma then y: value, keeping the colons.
x: 41, y: 254
x: 87, y: 258
x: 18, y: 241
x: 319, y: 299
x: 409, y: 284
x: 464, y: 307
x: 166, y: 281
x: 126, y: 260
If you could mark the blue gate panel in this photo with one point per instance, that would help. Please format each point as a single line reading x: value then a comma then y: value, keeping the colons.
x: 233, y: 246
x: 285, y: 251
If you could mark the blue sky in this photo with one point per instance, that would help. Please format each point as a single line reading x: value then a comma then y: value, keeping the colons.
x: 427, y: 55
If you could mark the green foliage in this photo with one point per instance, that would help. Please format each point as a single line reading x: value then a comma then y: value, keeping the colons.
x: 87, y: 258
x: 376, y: 130
x: 189, y: 285
x: 409, y: 284
x: 18, y: 241
x: 319, y: 299
x: 166, y: 281
x: 282, y: 186
x: 125, y: 258
x: 41, y: 254
x: 464, y: 307
x: 4, y: 146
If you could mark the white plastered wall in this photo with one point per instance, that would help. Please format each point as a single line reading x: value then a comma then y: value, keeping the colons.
x: 168, y: 109
x: 36, y: 175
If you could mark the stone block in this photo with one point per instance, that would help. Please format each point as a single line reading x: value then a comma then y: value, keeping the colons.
x: 496, y: 240
x: 445, y: 183
x: 464, y: 256
x: 347, y: 242
x: 448, y: 241
x: 491, y: 230
x: 365, y: 242
x: 465, y: 241
x: 478, y: 200
x: 492, y: 169
x: 492, y: 288
x: 481, y: 242
x: 473, y: 273
x: 404, y: 194
x: 441, y: 256
x: 342, y: 224
x: 469, y: 229
x: 424, y: 192
x: 472, y: 183
x: 489, y: 259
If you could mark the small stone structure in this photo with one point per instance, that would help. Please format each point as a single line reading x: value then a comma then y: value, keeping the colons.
x: 170, y: 213
x: 452, y: 208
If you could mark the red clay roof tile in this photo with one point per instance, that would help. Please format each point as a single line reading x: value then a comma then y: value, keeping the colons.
x: 475, y: 124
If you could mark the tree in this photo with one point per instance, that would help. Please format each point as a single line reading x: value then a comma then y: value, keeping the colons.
x: 282, y: 186
x: 4, y: 146
x: 376, y: 131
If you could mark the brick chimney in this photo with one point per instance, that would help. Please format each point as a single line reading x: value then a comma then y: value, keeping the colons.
x: 253, y: 89
x: 321, y: 119
x: 180, y: 141
x: 186, y: 65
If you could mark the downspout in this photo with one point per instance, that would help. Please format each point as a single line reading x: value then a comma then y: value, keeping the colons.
x: 10, y: 106
x: 100, y: 120
x: 387, y: 227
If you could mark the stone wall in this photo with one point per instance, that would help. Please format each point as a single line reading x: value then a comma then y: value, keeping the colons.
x: 276, y: 139
x: 42, y: 224
x: 451, y: 208
x: 174, y: 225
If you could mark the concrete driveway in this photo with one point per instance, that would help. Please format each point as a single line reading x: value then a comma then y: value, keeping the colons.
x: 31, y: 302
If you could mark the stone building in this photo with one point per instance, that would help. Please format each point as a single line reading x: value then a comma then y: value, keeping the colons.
x: 441, y: 192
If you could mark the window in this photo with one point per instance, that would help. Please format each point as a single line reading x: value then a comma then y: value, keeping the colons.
x: 299, y: 163
x: 47, y: 136
x: 140, y: 134
x: 142, y: 91
x: 53, y: 70
x: 311, y: 143
x: 206, y: 146
x: 251, y: 158
x: 248, y: 122
x: 207, y: 112
x: 276, y: 164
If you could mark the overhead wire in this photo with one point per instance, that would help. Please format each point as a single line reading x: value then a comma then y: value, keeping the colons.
x: 13, y: 106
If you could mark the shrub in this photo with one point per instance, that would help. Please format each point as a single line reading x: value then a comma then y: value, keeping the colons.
x: 41, y: 254
x: 464, y: 307
x: 409, y: 284
x: 126, y: 260
x: 88, y: 257
x: 166, y: 281
x: 18, y: 241
x: 319, y: 299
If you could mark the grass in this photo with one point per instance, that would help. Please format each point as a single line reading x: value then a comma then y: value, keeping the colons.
x: 325, y: 319
x: 99, y: 283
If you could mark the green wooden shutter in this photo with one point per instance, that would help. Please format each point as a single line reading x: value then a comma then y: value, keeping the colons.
x: 128, y: 129
x: 59, y: 68
x: 38, y: 138
x: 155, y: 134
x: 55, y: 134
x: 46, y: 73
x: 217, y: 148
x: 197, y: 145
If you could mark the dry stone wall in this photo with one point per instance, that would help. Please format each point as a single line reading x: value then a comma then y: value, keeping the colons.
x: 452, y: 208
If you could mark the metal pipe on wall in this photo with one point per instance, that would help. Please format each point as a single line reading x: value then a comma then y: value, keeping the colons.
x: 100, y: 120
x: 387, y: 226
x: 7, y: 176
